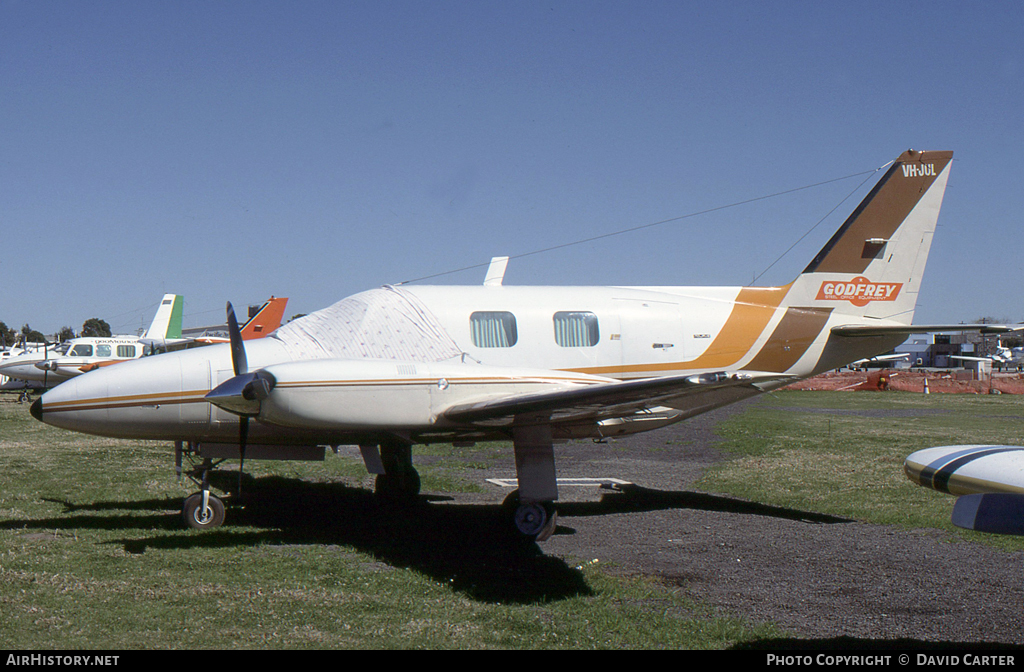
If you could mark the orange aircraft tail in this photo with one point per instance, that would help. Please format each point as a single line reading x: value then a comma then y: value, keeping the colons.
x: 267, y: 319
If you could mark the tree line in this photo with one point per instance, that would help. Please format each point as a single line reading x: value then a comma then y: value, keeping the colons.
x: 92, y: 327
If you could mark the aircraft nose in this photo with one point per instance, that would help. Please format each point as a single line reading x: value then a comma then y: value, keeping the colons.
x: 139, y: 399
x: 36, y: 409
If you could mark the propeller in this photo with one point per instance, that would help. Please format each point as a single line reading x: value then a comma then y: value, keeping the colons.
x: 46, y: 362
x: 242, y: 394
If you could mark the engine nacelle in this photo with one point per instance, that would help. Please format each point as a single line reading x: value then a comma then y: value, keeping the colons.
x: 343, y: 394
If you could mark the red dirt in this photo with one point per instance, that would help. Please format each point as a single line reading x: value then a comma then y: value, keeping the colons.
x: 942, y: 382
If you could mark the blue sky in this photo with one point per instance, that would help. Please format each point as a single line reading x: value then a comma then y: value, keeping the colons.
x: 234, y: 150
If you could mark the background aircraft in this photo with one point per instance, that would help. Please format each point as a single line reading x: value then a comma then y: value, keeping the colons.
x: 987, y: 480
x: 262, y: 323
x: 66, y: 360
x: 1003, y: 356
x: 398, y: 366
x: 84, y: 354
x: 877, y: 361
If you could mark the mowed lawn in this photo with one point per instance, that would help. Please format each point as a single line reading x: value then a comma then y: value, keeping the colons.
x: 93, y: 554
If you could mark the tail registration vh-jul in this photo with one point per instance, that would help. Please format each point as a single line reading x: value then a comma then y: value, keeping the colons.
x: 399, y: 366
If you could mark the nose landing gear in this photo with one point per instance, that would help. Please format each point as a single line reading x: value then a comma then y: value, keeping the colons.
x: 202, y: 510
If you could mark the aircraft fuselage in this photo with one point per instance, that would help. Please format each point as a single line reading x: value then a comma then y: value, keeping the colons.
x: 491, y: 342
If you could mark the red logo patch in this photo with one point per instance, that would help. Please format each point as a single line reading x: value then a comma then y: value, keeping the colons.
x: 860, y: 291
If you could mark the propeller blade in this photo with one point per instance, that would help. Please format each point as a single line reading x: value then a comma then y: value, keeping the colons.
x: 238, y: 360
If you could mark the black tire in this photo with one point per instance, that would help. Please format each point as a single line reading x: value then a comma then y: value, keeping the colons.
x: 531, y: 522
x: 198, y: 519
x: 398, y: 488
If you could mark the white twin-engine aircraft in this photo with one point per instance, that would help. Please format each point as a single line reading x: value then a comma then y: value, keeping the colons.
x: 397, y: 366
x: 86, y: 353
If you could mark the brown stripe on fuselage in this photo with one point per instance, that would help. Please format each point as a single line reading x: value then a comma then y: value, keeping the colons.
x: 794, y: 334
x: 880, y: 214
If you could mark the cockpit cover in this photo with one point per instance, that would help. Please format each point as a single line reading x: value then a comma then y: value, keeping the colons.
x: 385, y: 323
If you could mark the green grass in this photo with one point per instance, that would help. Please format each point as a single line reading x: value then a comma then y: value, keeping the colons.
x: 826, y: 452
x: 93, y: 556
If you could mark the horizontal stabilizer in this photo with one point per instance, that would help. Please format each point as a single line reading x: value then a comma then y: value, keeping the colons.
x: 887, y: 329
x: 992, y: 512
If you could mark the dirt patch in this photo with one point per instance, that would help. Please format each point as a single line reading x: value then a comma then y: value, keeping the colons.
x: 940, y: 382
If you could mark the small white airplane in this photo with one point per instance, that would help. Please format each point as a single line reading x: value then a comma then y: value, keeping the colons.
x: 398, y: 366
x: 987, y: 480
x: 1003, y: 356
x: 10, y: 353
x: 883, y: 360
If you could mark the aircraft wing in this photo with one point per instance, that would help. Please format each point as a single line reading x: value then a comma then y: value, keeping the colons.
x: 887, y: 329
x: 690, y: 394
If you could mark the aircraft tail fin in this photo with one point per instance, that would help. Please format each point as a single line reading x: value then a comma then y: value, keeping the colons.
x: 166, y: 323
x: 872, y: 266
x: 267, y: 319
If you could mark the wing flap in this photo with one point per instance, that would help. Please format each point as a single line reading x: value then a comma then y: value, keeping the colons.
x: 616, y: 399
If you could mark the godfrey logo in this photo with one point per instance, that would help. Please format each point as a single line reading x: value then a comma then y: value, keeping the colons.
x: 860, y: 291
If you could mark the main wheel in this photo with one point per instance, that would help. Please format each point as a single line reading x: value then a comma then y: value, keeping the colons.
x: 402, y: 486
x: 203, y: 518
x: 534, y: 521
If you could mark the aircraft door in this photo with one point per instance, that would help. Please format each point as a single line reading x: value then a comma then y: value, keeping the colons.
x: 652, y: 335
x: 195, y: 379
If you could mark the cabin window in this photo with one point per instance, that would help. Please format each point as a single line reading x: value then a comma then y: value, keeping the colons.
x: 81, y: 350
x: 493, y: 329
x: 576, y: 329
x: 126, y: 351
x: 103, y: 351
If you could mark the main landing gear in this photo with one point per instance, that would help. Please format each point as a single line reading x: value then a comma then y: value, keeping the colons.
x: 532, y: 506
x: 397, y: 479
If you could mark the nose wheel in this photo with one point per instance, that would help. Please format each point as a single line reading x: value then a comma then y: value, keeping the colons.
x: 203, y: 511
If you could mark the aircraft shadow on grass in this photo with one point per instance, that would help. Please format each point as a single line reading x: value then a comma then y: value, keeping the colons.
x: 468, y: 546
